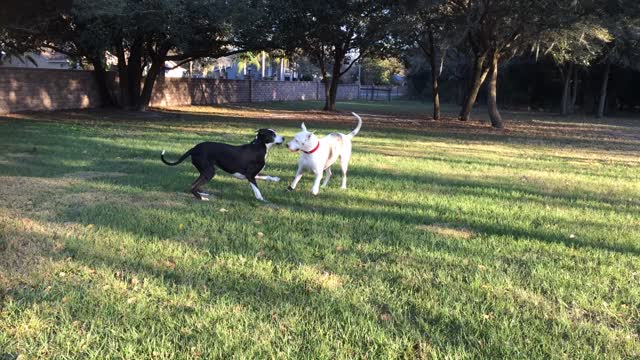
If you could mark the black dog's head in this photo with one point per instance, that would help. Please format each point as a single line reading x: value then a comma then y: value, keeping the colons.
x: 269, y: 137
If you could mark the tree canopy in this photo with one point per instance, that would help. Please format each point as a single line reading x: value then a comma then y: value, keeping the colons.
x: 333, y: 34
x: 141, y: 35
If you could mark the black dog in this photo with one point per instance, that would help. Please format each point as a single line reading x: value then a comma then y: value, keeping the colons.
x: 243, y: 162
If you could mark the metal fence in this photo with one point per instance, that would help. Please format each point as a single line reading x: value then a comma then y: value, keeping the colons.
x: 380, y: 93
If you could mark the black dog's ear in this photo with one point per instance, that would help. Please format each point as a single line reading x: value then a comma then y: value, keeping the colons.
x: 262, y: 135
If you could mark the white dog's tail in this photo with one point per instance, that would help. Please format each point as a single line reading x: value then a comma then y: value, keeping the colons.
x: 357, y: 129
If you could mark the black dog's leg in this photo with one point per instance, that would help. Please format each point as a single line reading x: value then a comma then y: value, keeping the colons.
x: 254, y: 187
x: 205, y: 177
x: 197, y: 163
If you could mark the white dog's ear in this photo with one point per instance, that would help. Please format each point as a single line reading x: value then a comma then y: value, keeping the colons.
x: 304, y: 128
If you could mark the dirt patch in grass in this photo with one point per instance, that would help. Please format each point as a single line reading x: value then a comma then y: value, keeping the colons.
x: 18, y: 192
x: 448, y: 230
x: 614, y: 134
x: 530, y: 127
x: 28, y: 241
x: 317, y: 278
x: 25, y: 242
x: 25, y: 247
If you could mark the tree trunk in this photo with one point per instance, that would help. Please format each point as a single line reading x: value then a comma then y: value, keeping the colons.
x: 134, y: 72
x: 603, y: 90
x: 327, y: 93
x: 330, y: 103
x: 123, y: 77
x: 156, y: 68
x: 325, y: 80
x: 494, y: 114
x: 100, y: 74
x: 574, y: 95
x: 434, y: 78
x: 333, y: 94
x: 566, y: 89
x: 479, y: 74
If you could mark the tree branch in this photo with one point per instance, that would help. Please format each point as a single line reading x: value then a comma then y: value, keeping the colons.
x: 350, y: 65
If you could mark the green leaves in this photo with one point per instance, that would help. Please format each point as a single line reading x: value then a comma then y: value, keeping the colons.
x: 580, y: 43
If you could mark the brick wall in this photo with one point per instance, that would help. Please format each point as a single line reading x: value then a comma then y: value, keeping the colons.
x: 39, y: 89
x: 285, y: 90
x: 46, y: 89
x: 347, y: 92
x: 183, y: 91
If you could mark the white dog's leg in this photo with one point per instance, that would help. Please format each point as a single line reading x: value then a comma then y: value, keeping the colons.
x: 297, y: 178
x: 316, y: 182
x: 327, y: 176
x: 344, y: 165
x: 268, y: 178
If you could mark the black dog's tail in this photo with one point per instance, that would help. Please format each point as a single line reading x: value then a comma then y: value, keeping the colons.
x: 186, y: 155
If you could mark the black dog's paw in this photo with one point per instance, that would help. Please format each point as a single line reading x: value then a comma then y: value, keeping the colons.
x: 289, y: 188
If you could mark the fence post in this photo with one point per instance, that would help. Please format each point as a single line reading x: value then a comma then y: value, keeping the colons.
x: 250, y: 90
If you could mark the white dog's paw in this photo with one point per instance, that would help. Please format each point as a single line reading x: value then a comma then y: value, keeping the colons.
x: 315, y: 191
x: 274, y: 178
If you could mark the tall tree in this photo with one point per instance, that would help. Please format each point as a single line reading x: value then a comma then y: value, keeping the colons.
x: 496, y: 31
x: 334, y: 34
x: 622, y: 20
x: 431, y: 27
x: 144, y: 34
x: 576, y: 46
x: 380, y: 71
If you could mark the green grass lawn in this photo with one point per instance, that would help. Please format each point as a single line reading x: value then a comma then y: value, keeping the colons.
x: 452, y: 241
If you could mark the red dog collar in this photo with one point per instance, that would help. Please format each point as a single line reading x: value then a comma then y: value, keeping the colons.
x: 314, y: 149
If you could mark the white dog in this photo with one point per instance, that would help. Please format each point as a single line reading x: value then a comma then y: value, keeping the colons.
x: 319, y: 154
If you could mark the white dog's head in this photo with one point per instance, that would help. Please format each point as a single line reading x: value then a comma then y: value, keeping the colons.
x: 304, y: 140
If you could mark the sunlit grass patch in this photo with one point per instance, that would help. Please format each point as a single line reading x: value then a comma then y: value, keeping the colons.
x: 453, y: 240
